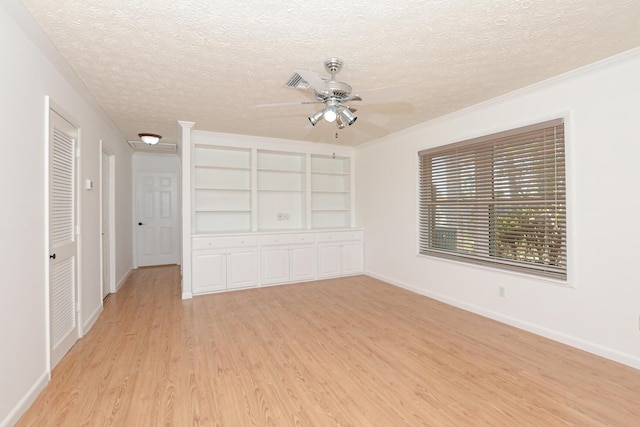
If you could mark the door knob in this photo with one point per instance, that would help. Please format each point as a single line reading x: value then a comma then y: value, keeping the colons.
x: 52, y: 256
x: 140, y: 223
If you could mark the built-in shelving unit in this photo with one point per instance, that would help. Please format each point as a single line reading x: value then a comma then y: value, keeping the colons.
x: 262, y: 211
x: 222, y: 190
x: 281, y: 190
x: 248, y: 189
x: 330, y: 192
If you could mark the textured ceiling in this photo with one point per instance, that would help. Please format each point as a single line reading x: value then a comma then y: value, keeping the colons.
x: 150, y: 63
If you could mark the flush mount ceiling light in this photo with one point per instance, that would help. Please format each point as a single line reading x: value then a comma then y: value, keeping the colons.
x: 149, y: 138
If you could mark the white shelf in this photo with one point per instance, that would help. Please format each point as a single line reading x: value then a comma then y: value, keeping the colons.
x: 222, y: 157
x: 222, y: 222
x: 249, y: 189
x: 223, y: 210
x: 221, y: 189
x: 222, y: 167
x: 281, y: 161
x: 330, y: 192
x: 281, y: 190
x: 279, y: 180
x: 295, y: 172
x: 330, y: 165
x: 330, y: 219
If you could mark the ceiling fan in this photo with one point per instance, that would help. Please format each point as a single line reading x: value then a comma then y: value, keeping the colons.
x: 334, y: 94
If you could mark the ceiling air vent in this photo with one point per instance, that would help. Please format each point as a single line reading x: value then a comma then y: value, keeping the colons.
x: 161, y: 147
x: 297, y: 82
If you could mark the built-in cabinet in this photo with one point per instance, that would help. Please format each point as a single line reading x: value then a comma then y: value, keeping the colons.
x: 230, y: 262
x: 224, y: 263
x: 265, y: 212
x: 287, y: 258
x: 340, y: 253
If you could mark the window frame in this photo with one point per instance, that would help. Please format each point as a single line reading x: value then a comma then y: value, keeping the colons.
x: 558, y: 272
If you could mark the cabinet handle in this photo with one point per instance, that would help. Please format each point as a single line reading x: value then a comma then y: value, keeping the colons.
x: 52, y: 256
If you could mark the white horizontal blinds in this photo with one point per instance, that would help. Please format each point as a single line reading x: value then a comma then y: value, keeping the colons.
x: 62, y: 218
x: 499, y: 200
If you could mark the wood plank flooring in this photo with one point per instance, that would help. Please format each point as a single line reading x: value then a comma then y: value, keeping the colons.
x: 343, y: 352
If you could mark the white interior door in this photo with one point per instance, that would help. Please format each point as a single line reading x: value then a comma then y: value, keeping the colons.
x: 157, y: 218
x: 106, y: 219
x: 62, y: 237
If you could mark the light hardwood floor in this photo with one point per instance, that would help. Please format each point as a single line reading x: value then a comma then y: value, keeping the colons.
x: 344, y: 352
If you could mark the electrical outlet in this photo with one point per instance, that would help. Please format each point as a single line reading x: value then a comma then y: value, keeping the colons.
x: 501, y: 292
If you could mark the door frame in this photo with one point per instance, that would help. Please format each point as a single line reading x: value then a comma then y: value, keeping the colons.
x: 51, y: 106
x: 104, y: 152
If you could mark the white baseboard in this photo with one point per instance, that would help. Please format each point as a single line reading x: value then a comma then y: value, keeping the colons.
x: 91, y: 320
x: 26, y: 401
x: 187, y: 295
x: 597, y: 349
x: 124, y: 279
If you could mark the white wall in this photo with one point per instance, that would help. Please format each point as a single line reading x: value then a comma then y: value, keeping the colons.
x: 27, y: 76
x: 600, y: 310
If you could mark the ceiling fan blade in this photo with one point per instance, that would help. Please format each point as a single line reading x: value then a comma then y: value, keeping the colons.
x: 384, y: 94
x: 284, y: 104
x: 314, y: 80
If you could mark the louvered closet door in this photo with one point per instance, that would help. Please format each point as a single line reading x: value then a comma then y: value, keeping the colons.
x: 62, y: 237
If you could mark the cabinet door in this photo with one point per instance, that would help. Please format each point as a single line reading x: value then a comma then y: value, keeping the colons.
x: 302, y: 261
x: 352, y: 258
x: 275, y: 264
x: 208, y: 271
x: 329, y: 260
x: 242, y: 268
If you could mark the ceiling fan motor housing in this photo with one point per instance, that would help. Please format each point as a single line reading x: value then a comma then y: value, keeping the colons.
x: 334, y: 89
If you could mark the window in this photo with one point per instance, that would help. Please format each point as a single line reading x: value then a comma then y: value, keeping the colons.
x: 498, y: 200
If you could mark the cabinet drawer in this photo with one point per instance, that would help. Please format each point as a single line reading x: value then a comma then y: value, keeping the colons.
x: 199, y: 243
x: 287, y: 239
x: 339, y: 236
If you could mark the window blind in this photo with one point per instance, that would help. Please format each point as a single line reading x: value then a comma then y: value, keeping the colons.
x: 498, y: 200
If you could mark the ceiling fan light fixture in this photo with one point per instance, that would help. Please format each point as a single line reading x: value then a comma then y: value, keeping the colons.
x: 150, y: 138
x: 346, y: 116
x: 315, y: 117
x: 330, y: 114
